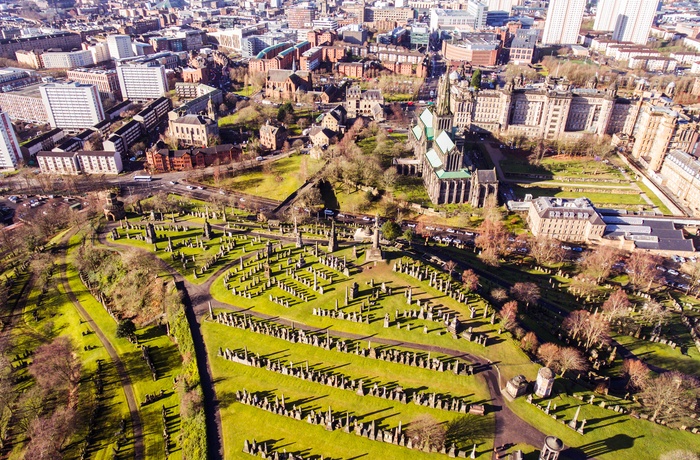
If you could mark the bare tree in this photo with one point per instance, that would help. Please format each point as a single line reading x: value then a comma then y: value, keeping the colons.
x: 638, y: 373
x: 591, y: 328
x: 492, y: 241
x: 449, y: 266
x: 530, y: 343
x: 526, y: 292
x: 499, y: 294
x: 427, y: 432
x: 641, y: 268
x: 548, y: 353
x: 570, y: 359
x: 617, y: 304
x: 597, y: 264
x: 56, y: 367
x: 670, y: 395
x: 509, y: 315
x: 653, y: 313
x: 48, y: 435
x: 575, y: 322
x: 546, y: 250
x: 470, y: 280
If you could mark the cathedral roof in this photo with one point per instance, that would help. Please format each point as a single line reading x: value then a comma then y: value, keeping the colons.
x: 444, y: 142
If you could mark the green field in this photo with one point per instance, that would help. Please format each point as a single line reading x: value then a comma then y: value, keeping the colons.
x: 283, y: 177
x: 299, y: 435
x: 166, y: 358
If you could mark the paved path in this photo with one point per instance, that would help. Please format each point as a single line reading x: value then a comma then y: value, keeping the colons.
x: 118, y: 364
x: 509, y: 427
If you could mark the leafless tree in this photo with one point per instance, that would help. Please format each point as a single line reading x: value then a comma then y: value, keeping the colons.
x: 591, y: 328
x: 509, y: 315
x: 499, y: 294
x: 427, y: 432
x: 654, y: 313
x: 546, y: 250
x: 641, y: 268
x: 575, y: 322
x: 450, y: 265
x: 638, y: 373
x: 56, y: 367
x: 597, y: 263
x: 470, y: 280
x: 548, y: 353
x: 570, y: 359
x: 48, y: 435
x: 492, y: 241
x: 670, y: 395
x: 617, y: 304
x: 526, y: 292
x: 530, y: 343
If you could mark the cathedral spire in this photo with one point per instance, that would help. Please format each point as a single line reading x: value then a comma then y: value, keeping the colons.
x: 442, y: 106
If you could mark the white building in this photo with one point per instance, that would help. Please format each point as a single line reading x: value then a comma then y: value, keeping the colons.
x: 142, y: 81
x: 633, y: 20
x: 500, y: 5
x: 100, y: 162
x: 606, y: 14
x: 120, y: 46
x: 58, y: 162
x: 100, y: 52
x: 563, y: 22
x: 474, y: 17
x: 10, y: 155
x: 67, y: 60
x: 325, y: 23
x: 72, y: 106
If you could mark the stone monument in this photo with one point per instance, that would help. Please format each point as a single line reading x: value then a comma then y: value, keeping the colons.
x: 552, y: 448
x: 517, y: 386
x: 151, y: 237
x: 297, y: 234
x: 332, y: 239
x: 113, y: 208
x: 544, y: 382
x: 207, y: 230
x: 374, y: 254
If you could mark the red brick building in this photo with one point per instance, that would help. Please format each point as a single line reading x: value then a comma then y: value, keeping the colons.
x: 165, y: 160
x: 351, y: 69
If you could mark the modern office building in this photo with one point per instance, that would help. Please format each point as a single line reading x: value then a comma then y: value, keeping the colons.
x: 106, y: 81
x: 120, y: 46
x: 301, y: 16
x: 10, y: 154
x: 142, y: 81
x: 563, y: 22
x: 628, y: 20
x: 67, y: 60
x: 72, y: 106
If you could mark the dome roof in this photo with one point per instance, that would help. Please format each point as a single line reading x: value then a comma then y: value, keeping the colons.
x: 545, y: 373
x: 554, y: 443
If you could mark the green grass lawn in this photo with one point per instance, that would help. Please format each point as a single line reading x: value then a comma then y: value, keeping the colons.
x: 560, y: 167
x: 242, y: 422
x: 201, y: 256
x: 655, y: 199
x: 286, y: 175
x: 166, y: 358
x: 409, y: 188
x: 608, y: 434
x: 600, y: 199
x: 58, y: 317
x: 662, y: 355
x: 503, y: 350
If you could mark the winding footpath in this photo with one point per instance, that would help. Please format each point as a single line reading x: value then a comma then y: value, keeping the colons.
x: 510, y: 428
x: 137, y: 426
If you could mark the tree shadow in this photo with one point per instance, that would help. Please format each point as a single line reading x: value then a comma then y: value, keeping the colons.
x: 608, y: 445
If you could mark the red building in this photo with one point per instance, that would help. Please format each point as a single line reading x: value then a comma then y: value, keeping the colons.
x: 165, y: 160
